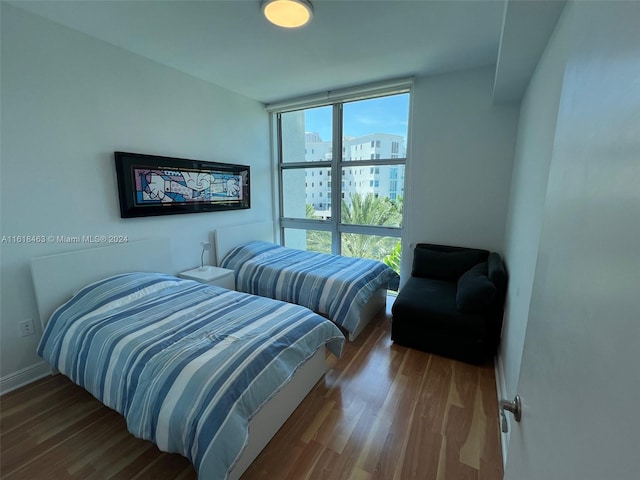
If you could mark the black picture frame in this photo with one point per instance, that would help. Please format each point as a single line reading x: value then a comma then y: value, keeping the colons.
x: 150, y: 185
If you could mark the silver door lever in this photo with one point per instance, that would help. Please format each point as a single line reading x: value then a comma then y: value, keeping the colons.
x: 514, y: 407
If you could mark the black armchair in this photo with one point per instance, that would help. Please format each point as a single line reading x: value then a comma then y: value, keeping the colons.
x: 453, y: 303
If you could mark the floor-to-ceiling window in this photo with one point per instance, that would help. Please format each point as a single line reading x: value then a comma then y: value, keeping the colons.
x: 341, y: 173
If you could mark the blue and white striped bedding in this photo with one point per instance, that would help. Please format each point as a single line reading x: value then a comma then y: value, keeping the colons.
x: 332, y: 285
x: 186, y: 364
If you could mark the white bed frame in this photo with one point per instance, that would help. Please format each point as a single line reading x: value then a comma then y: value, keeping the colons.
x: 226, y: 238
x: 57, y: 277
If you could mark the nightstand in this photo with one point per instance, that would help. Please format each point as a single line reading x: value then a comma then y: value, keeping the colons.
x: 220, y: 277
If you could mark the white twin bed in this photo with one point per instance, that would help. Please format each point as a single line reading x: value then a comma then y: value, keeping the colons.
x: 348, y: 291
x: 58, y: 278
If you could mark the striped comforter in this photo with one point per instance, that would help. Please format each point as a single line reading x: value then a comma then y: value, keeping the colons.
x: 186, y: 364
x: 332, y: 285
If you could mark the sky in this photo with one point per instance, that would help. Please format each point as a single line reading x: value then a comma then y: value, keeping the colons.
x: 378, y: 115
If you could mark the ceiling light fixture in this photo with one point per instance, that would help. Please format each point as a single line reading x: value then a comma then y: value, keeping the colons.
x: 288, y: 13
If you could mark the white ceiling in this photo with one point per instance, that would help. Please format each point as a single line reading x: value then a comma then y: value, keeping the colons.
x: 349, y: 42
x: 526, y: 30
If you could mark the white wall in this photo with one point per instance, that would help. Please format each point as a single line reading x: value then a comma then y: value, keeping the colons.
x: 579, y: 371
x: 536, y: 133
x: 68, y: 102
x: 461, y: 150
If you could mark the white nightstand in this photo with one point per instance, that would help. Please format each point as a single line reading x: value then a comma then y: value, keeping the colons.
x: 220, y: 277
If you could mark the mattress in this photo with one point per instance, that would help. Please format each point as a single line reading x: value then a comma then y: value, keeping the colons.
x: 186, y: 364
x: 332, y: 285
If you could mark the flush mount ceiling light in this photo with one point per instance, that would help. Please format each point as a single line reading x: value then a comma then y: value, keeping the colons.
x: 288, y: 13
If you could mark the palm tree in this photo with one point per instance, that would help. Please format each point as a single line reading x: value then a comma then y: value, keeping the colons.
x: 393, y: 258
x: 369, y: 210
x: 317, y: 240
x: 311, y: 212
x: 363, y: 210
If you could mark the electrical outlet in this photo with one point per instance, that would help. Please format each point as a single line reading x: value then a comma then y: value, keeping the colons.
x: 26, y: 328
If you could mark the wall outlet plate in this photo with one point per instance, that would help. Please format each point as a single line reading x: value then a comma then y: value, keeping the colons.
x: 27, y: 328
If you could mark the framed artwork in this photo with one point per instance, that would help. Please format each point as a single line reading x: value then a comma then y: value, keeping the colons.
x: 152, y: 185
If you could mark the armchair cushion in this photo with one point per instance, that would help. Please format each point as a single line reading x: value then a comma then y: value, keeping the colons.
x: 426, y: 298
x: 475, y: 290
x: 444, y: 265
x: 496, y: 272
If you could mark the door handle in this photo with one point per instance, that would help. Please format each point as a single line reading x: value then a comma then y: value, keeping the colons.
x: 514, y: 406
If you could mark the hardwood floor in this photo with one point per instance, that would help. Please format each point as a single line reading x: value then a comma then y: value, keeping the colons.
x: 384, y: 412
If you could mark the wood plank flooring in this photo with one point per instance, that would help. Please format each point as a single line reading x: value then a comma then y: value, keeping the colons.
x: 384, y: 412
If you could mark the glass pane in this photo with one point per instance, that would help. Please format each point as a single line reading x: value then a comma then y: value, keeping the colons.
x: 306, y: 193
x: 311, y: 240
x: 306, y: 135
x: 385, y: 249
x: 376, y: 129
x: 372, y: 195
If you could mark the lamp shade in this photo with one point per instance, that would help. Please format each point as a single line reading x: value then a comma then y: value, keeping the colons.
x: 287, y: 13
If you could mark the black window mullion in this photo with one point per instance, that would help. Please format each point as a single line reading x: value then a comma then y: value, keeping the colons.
x: 336, y: 175
x: 294, y: 165
x: 376, y: 161
x: 280, y: 177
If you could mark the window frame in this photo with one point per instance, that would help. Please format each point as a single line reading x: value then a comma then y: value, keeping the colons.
x: 336, y: 165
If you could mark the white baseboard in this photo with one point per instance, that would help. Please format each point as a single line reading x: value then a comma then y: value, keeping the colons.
x: 501, y: 387
x: 23, y: 377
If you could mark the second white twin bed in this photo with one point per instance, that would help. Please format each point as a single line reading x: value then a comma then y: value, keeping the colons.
x: 349, y: 291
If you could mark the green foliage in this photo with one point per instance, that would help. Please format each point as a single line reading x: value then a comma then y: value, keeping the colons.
x: 318, y: 241
x: 371, y: 210
x: 311, y: 212
x: 393, y: 259
x: 364, y: 210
